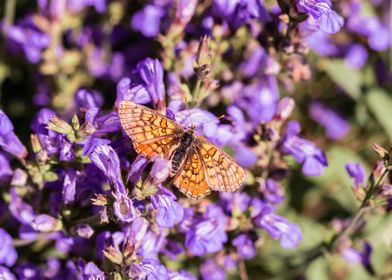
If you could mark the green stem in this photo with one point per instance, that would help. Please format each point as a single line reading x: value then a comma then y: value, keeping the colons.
x: 9, y: 15
x: 196, y: 91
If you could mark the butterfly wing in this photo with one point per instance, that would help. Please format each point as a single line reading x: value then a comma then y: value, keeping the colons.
x: 191, y: 179
x: 151, y: 133
x: 221, y: 171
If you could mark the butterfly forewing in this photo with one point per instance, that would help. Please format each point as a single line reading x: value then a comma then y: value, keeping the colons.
x: 203, y: 168
x: 151, y: 133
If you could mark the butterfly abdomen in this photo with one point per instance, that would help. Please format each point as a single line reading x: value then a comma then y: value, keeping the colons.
x: 179, y: 155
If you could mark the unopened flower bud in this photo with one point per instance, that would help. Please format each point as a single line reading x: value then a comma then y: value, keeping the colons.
x: 60, y: 126
x: 46, y: 223
x: 203, y: 59
x: 381, y: 152
x: 113, y: 255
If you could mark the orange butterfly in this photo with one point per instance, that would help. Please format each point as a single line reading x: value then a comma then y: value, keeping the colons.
x: 197, y: 165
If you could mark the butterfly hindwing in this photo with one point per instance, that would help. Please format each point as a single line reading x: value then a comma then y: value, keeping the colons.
x: 191, y: 178
x: 222, y: 172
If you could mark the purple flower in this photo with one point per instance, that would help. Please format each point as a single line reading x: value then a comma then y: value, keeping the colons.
x: 154, y: 269
x: 185, y: 10
x: 170, y: 211
x: 160, y: 170
x: 8, y: 140
x: 76, y: 6
x: 209, y: 270
x: 260, y: 100
x: 136, y: 233
x: 148, y: 20
x: 27, y: 37
x: 28, y: 271
x: 208, y: 234
x: 181, y: 275
x: 152, y: 244
x: 379, y: 37
x: 335, y: 125
x: 136, y: 93
x: 356, y: 56
x: 151, y: 72
x: 326, y: 19
x: 21, y: 211
x: 45, y: 223
x: 91, y: 271
x: 245, y: 246
x: 137, y: 168
x: 106, y: 159
x: 84, y: 230
x: 69, y: 186
x: 361, y: 256
x: 124, y: 208
x: 88, y: 99
x: 277, y: 226
x: 5, y: 170
x: 205, y: 122
x: 313, y: 159
x: 357, y: 173
x: 6, y: 274
x: 8, y: 254
x: 271, y: 191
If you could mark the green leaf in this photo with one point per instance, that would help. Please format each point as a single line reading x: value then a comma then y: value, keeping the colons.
x: 347, y: 78
x: 380, y: 103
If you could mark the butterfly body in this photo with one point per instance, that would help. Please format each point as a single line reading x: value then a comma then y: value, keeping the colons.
x: 178, y: 157
x: 197, y: 166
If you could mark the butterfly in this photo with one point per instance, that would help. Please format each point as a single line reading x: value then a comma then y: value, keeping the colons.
x: 197, y: 166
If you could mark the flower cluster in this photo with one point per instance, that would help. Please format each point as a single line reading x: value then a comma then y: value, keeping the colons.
x: 77, y: 199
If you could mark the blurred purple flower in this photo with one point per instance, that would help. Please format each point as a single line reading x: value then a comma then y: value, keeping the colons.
x: 29, y: 38
x: 21, y: 211
x: 356, y: 56
x: 28, y: 271
x: 208, y: 234
x: 326, y: 19
x: 313, y: 159
x: 8, y: 140
x: 135, y: 93
x: 154, y: 269
x: 205, y: 122
x: 276, y: 226
x: 170, y: 211
x: 245, y: 246
x: 45, y: 223
x: 357, y: 173
x: 148, y: 20
x: 272, y: 191
x: 260, y: 100
x: 152, y: 244
x: 160, y: 170
x: 69, y: 186
x: 6, y: 274
x: 84, y: 230
x: 209, y: 270
x: 8, y: 254
x: 5, y: 170
x: 361, y: 256
x: 185, y: 10
x: 181, y: 275
x: 335, y: 125
x: 137, y: 168
x: 86, y: 99
x: 91, y: 271
x: 76, y: 6
x: 379, y: 37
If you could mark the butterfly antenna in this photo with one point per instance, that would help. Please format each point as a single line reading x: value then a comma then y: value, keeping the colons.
x: 193, y: 126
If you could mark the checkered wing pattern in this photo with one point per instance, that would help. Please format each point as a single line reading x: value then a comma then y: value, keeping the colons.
x: 151, y: 133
